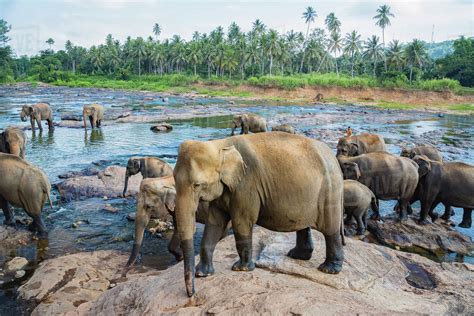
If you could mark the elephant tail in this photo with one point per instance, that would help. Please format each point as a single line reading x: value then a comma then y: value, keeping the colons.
x: 343, y: 239
x: 49, y: 199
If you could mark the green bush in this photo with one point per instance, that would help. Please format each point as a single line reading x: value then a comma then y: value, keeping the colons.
x: 439, y: 85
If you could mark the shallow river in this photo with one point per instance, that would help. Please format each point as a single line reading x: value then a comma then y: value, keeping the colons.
x: 72, y: 149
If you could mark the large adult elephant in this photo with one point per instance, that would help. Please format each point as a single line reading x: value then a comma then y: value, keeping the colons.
x: 388, y: 176
x: 450, y: 183
x: 23, y: 185
x: 149, y: 167
x: 95, y: 113
x: 360, y: 144
x: 249, y: 123
x: 13, y: 141
x: 37, y: 113
x: 279, y: 181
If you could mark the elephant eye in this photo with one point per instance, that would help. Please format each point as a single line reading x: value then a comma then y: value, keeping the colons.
x: 196, y: 185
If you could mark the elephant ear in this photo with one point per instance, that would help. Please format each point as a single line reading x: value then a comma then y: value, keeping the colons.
x: 170, y: 198
x: 353, y: 166
x: 354, y: 149
x: 232, y: 167
x: 424, y: 164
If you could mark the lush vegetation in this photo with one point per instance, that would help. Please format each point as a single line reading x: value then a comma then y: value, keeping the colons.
x: 261, y: 57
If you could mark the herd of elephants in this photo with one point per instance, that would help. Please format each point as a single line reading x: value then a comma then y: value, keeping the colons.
x: 279, y: 180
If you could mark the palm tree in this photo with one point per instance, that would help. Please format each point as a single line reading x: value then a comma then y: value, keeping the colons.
x: 352, y: 46
x: 272, y: 46
x: 395, y: 54
x: 332, y: 23
x: 139, y: 51
x: 258, y: 27
x: 309, y: 15
x: 228, y: 61
x: 50, y: 42
x: 383, y: 19
x: 415, y: 54
x: 373, y: 50
x: 194, y: 55
x: 96, y: 58
x: 157, y: 30
x: 335, y: 46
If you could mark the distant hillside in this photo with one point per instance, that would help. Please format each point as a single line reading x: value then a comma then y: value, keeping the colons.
x: 439, y: 50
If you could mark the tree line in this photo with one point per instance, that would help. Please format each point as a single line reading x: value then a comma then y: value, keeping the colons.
x: 233, y: 53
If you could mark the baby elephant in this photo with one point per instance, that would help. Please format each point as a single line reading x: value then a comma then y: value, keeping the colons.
x: 149, y: 167
x: 450, y: 183
x: 287, y: 128
x: 429, y: 151
x: 25, y: 186
x: 95, y: 113
x: 38, y: 113
x: 249, y: 123
x: 13, y: 141
x: 357, y: 200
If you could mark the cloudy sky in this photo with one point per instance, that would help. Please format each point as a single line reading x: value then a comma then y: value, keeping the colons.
x: 87, y: 22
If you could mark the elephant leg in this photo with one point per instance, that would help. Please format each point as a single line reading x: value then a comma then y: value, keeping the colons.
x: 38, y: 224
x: 38, y: 121
x: 174, y: 244
x: 334, y: 254
x: 50, y: 124
x: 99, y: 123
x: 434, y: 216
x: 304, y: 245
x: 403, y: 210
x: 427, y: 205
x: 9, y: 216
x: 91, y: 120
x: 360, y: 225
x: 376, y: 213
x: 32, y: 122
x: 364, y: 218
x: 242, y: 227
x: 466, y: 218
x: 448, y: 212
x: 216, y: 225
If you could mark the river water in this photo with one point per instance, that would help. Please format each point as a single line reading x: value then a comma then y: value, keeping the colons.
x: 73, y: 149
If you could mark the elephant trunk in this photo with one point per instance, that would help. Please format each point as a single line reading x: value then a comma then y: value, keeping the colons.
x: 185, y: 216
x: 84, y: 119
x: 141, y: 221
x: 127, y: 175
x: 16, y: 150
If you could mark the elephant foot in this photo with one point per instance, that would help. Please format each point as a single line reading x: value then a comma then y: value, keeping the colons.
x: 402, y: 218
x: 300, y: 253
x: 375, y: 216
x: 446, y: 216
x: 409, y: 210
x: 464, y: 224
x: 204, y: 270
x: 178, y: 255
x: 243, y: 266
x: 423, y: 221
x: 360, y: 232
x: 434, y: 216
x: 42, y: 234
x: 10, y: 222
x: 330, y: 267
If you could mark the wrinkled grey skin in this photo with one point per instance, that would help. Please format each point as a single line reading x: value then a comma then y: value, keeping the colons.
x: 388, y: 176
x: 37, y: 113
x: 450, y: 183
x: 258, y: 179
x: 360, y: 144
x: 249, y: 123
x: 156, y: 199
x: 357, y: 200
x: 95, y: 113
x: 13, y: 141
x: 149, y: 167
x: 287, y: 128
x: 23, y: 185
x: 429, y: 151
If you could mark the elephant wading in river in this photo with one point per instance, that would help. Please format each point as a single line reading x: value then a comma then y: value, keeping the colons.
x: 149, y: 167
x: 249, y: 123
x: 95, y: 113
x: 279, y: 181
x: 360, y: 144
x: 13, y: 141
x: 38, y: 112
x: 25, y: 186
x: 450, y: 183
x: 389, y: 177
x: 357, y: 200
x: 156, y: 199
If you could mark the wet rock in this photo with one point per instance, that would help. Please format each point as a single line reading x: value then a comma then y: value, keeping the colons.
x: 17, y: 263
x: 64, y: 284
x: 162, y: 128
x: 76, y: 224
x: 108, y: 182
x: 19, y: 274
x: 131, y: 216
x: 434, y: 240
x: 373, y: 279
x: 89, y: 171
x: 110, y: 208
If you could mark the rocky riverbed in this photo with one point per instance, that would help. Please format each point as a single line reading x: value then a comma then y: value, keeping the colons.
x: 89, y: 217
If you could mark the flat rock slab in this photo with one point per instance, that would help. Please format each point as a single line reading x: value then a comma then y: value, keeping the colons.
x: 13, y: 237
x: 107, y: 183
x: 375, y: 279
x: 436, y: 239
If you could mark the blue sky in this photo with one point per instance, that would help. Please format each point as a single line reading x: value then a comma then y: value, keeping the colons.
x: 87, y: 22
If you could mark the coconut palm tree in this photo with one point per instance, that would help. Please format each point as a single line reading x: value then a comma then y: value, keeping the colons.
x: 50, y: 42
x: 373, y: 50
x: 395, y: 54
x: 352, y: 46
x: 383, y: 19
x: 416, y: 55
x: 332, y: 23
x: 194, y: 54
x: 309, y: 15
x: 139, y: 52
x: 272, y: 46
x: 157, y: 30
x: 335, y: 46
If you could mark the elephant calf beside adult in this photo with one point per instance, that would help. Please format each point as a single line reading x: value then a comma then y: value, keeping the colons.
x: 357, y: 200
x: 37, y: 113
x: 249, y: 123
x: 13, y: 141
x: 360, y: 144
x: 23, y: 185
x: 149, y: 167
x: 259, y: 179
x: 95, y: 113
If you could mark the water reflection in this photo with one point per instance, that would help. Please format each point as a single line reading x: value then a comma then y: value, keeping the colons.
x: 96, y: 137
x: 42, y: 138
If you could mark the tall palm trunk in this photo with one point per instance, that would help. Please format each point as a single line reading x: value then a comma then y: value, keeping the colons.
x: 304, y: 49
x: 271, y: 63
x: 139, y: 66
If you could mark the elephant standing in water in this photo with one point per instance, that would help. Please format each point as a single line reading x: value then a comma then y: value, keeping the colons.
x: 360, y: 144
x: 249, y: 123
x: 13, y: 141
x: 450, y: 183
x: 25, y: 186
x: 149, y: 167
x: 259, y: 179
x: 95, y: 113
x: 38, y: 113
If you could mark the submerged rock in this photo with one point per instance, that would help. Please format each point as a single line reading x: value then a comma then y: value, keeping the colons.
x: 16, y: 264
x: 374, y: 279
x: 433, y: 240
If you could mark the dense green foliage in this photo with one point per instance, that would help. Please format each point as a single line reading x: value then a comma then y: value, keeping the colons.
x: 261, y: 57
